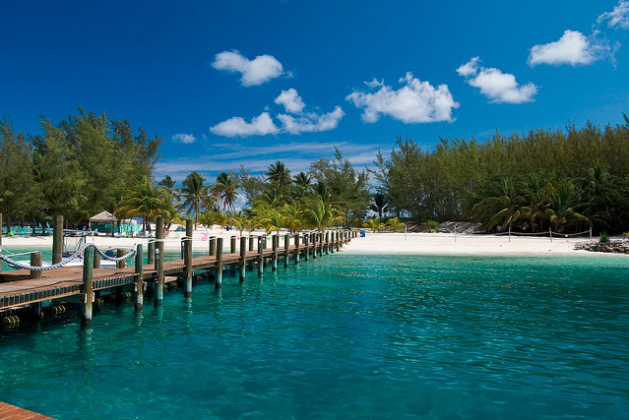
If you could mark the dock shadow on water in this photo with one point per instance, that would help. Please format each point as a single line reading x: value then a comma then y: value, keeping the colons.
x: 351, y: 337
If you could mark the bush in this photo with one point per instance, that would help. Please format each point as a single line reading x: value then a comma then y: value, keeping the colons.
x: 604, y: 238
x: 430, y: 225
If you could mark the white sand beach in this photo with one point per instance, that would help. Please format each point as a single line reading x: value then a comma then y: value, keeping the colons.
x: 383, y: 243
x: 467, y: 244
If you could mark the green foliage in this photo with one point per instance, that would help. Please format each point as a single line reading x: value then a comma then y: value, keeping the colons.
x: 395, y: 224
x: 348, y: 189
x: 196, y: 194
x: 566, y: 180
x: 430, y: 225
x: 374, y: 224
x: 319, y: 215
x: 604, y: 238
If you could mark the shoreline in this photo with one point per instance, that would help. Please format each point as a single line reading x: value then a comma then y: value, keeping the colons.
x: 372, y: 243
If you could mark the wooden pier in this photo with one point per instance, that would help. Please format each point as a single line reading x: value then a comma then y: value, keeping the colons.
x: 11, y: 412
x: 22, y: 289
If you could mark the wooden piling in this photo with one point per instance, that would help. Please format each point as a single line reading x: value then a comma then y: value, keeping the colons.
x: 212, y: 246
x: 87, y: 289
x: 260, y: 256
x: 188, y: 259
x: 219, y: 263
x: 251, y: 243
x: 159, y: 250
x: 151, y: 253
x: 232, y: 250
x: 243, y: 257
x: 36, y: 260
x: 96, y: 260
x: 139, y: 281
x: 57, y: 238
x: 119, y: 254
x: 297, y: 248
x: 307, y: 245
x: 276, y: 240
x: 286, y: 244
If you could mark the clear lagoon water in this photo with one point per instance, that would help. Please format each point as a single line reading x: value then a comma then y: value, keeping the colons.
x: 347, y: 337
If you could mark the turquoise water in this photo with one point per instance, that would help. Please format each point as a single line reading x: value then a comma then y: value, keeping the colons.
x: 347, y: 337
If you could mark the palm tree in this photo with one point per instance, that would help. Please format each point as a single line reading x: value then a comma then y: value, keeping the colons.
x: 168, y: 184
x: 196, y: 194
x: 171, y: 210
x: 225, y: 190
x: 374, y: 224
x: 239, y: 221
x: 380, y: 203
x: 564, y: 198
x: 293, y: 217
x: 395, y: 224
x: 278, y: 173
x: 320, y: 215
x: 504, y: 206
x: 144, y: 200
x: 302, y: 180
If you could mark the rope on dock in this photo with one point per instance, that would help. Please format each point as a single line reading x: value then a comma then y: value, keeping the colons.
x: 74, y: 256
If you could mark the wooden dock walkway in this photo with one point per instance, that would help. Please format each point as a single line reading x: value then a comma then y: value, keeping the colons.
x: 18, y: 290
x: 11, y: 412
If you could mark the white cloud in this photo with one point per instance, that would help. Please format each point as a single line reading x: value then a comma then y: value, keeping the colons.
x: 497, y: 86
x: 291, y: 100
x: 311, y: 122
x: 254, y: 72
x: 238, y: 127
x: 184, y: 138
x: 573, y: 48
x: 375, y: 83
x: 469, y: 68
x: 416, y: 102
x: 618, y: 18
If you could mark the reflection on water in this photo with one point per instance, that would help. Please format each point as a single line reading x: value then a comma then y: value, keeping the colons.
x: 347, y: 337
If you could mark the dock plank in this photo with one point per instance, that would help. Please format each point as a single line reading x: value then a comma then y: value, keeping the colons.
x: 11, y: 412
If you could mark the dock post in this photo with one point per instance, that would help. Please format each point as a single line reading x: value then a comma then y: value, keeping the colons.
x: 232, y: 250
x: 243, y: 257
x: 212, y: 246
x: 139, y: 282
x: 286, y: 244
x: 307, y: 237
x: 88, y: 288
x: 315, y: 240
x: 151, y: 253
x: 96, y: 261
x: 276, y: 240
x: 260, y: 256
x: 327, y: 243
x: 188, y: 259
x: 119, y: 254
x: 321, y: 244
x: 57, y: 238
x: 35, y: 262
x: 297, y: 248
x: 219, y: 263
x: 159, y: 250
x: 251, y: 240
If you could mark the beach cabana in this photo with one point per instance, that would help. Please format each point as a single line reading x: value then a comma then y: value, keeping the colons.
x: 104, y: 217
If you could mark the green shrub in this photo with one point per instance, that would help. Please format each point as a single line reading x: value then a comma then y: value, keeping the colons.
x: 430, y: 225
x: 604, y: 238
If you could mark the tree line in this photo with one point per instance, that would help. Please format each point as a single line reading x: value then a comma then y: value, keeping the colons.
x: 567, y: 180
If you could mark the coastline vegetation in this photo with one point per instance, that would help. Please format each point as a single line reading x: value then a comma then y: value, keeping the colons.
x: 567, y: 180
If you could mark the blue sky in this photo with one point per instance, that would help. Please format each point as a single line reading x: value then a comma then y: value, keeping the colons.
x: 251, y: 82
